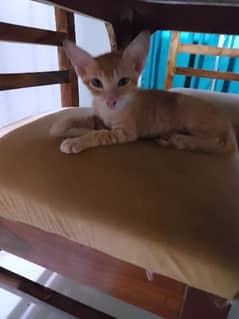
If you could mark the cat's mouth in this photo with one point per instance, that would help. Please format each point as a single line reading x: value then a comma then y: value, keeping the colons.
x: 116, y: 104
x: 112, y: 107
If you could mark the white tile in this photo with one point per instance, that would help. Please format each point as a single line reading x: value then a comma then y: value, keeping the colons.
x: 26, y: 268
x: 16, y: 305
x: 97, y: 300
x: 8, y: 302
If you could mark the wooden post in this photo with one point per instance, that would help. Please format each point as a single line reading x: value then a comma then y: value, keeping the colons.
x: 69, y: 91
x: 171, y: 60
x: 199, y: 304
x: 111, y: 34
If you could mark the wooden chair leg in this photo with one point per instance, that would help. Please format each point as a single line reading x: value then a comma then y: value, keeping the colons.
x: 111, y: 35
x: 171, y: 60
x: 201, y: 305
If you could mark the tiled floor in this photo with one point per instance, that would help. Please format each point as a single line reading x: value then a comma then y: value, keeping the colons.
x: 15, y: 305
x: 20, y: 306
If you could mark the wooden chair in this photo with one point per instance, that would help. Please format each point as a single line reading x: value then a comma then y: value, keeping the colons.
x: 153, y: 292
x: 65, y: 76
x: 177, y: 47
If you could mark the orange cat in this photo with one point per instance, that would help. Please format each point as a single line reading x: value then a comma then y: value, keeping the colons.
x: 123, y: 113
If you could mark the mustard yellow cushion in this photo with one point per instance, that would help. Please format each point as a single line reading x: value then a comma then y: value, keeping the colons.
x: 171, y: 212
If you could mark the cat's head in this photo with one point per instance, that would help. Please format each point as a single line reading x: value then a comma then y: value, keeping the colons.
x: 113, y: 76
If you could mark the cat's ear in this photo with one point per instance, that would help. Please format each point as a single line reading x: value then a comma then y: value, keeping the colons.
x: 79, y: 58
x: 137, y: 51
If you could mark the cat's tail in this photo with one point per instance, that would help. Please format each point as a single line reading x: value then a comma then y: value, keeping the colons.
x: 230, y: 146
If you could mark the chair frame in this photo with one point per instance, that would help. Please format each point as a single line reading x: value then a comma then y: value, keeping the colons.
x: 177, y: 47
x: 153, y: 292
x: 65, y: 76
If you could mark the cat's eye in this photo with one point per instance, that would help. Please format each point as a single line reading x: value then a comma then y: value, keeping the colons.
x: 97, y: 83
x: 123, y: 82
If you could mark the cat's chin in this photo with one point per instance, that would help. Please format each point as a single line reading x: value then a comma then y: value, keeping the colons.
x: 100, y: 104
x: 114, y: 108
x: 120, y: 103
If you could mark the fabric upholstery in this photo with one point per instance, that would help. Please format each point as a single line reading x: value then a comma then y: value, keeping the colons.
x: 171, y: 212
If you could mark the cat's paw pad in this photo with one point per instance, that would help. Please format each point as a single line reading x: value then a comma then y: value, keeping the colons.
x: 70, y: 146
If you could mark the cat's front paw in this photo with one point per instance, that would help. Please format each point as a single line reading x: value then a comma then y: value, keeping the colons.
x: 71, y: 146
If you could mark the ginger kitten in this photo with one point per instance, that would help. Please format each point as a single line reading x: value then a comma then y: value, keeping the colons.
x: 123, y: 113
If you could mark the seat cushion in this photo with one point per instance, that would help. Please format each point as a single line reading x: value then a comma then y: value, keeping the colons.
x: 227, y: 103
x: 171, y: 212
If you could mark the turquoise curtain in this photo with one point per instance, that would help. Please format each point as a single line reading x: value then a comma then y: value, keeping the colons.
x: 153, y: 75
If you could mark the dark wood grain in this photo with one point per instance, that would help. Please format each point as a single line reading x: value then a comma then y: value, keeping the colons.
x: 50, y: 296
x: 17, y: 33
x: 202, y: 305
x: 188, y: 17
x: 69, y: 91
x: 130, y: 17
x: 127, y: 282
x: 120, y: 13
x: 11, y: 81
x: 107, y: 10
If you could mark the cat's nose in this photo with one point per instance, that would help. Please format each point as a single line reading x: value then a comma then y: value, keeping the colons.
x: 111, y: 103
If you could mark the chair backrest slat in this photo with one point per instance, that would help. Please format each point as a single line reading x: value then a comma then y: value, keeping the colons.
x: 66, y: 76
x: 227, y: 76
x: 207, y: 50
x: 9, y: 81
x: 17, y: 33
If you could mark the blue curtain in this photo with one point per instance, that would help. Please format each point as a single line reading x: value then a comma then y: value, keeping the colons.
x: 153, y: 75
